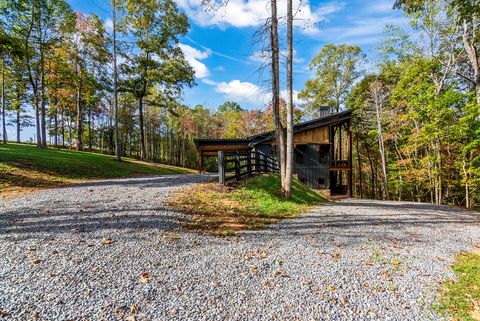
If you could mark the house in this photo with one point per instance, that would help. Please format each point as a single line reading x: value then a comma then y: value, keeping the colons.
x: 323, y: 151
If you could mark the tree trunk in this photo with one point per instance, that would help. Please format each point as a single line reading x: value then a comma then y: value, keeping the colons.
x: 90, y: 129
x: 43, y: 101
x: 359, y: 162
x: 4, y: 126
x: 18, y: 126
x: 55, y: 140
x: 279, y: 131
x: 289, y: 147
x: 79, y: 116
x: 143, y: 154
x: 115, y: 83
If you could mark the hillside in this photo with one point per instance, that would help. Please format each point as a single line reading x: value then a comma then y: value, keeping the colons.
x: 25, y: 168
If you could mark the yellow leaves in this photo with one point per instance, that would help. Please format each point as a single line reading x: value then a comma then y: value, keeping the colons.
x: 331, y: 288
x: 36, y: 261
x: 107, y: 241
x: 335, y: 256
x: 133, y: 308
x: 281, y: 273
x: 145, y: 278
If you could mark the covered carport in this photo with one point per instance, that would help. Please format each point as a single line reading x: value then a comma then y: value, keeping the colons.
x: 210, y: 147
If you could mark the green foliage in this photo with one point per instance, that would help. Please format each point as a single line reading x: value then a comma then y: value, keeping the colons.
x: 460, y: 299
x: 336, y: 69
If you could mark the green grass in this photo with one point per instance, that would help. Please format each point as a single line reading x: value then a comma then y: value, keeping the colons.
x: 460, y: 298
x: 254, y: 203
x: 25, y: 166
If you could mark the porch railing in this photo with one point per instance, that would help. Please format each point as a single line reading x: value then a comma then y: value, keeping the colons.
x: 236, y: 165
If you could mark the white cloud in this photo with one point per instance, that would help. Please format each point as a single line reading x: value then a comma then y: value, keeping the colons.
x: 252, y: 13
x: 250, y: 93
x: 241, y: 91
x: 193, y: 56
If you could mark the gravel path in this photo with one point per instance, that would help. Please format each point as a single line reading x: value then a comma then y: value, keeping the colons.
x: 111, y: 251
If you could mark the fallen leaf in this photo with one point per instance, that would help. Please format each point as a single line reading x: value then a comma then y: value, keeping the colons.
x: 36, y: 261
x: 281, y: 272
x: 145, y: 278
x: 107, y: 241
x: 133, y: 308
x: 331, y: 288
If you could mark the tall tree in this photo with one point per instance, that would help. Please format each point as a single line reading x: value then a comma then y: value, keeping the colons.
x: 275, y: 74
x: 289, y: 120
x: 336, y: 70
x: 115, y: 80
x: 155, y: 26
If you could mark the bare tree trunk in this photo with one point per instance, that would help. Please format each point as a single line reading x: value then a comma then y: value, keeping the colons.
x: 279, y: 131
x: 4, y: 126
x: 115, y: 83
x: 55, y: 140
x: 18, y: 126
x: 63, y: 127
x: 79, y: 115
x: 90, y: 142
x: 289, y: 147
x: 376, y: 89
x: 143, y: 152
x: 43, y: 101
x: 359, y: 162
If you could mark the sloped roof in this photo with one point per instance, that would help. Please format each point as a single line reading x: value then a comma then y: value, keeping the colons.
x: 241, y: 143
x: 311, y: 124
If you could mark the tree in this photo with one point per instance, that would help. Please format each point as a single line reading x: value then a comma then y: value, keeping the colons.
x: 289, y: 142
x: 37, y: 24
x: 115, y: 80
x: 229, y: 106
x: 275, y: 74
x: 336, y: 69
x: 155, y: 26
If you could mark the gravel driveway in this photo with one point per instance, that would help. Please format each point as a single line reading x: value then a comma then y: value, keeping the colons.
x: 111, y: 251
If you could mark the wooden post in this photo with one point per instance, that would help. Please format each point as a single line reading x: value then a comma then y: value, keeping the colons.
x: 249, y: 162
x: 237, y: 165
x: 221, y: 167
x: 257, y: 162
x: 262, y: 160
x: 350, y: 159
x: 201, y: 162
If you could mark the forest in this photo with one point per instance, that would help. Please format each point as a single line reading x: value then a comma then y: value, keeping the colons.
x: 118, y: 90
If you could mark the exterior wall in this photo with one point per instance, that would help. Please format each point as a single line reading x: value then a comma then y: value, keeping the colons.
x: 312, y: 165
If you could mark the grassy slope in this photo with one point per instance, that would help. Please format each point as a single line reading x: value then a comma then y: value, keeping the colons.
x: 460, y: 298
x: 254, y: 203
x: 24, y: 167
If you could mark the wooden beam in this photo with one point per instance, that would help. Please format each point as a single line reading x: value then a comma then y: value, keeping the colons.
x: 221, y: 167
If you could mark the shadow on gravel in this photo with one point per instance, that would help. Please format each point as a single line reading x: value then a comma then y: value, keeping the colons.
x: 377, y: 220
x: 142, y: 220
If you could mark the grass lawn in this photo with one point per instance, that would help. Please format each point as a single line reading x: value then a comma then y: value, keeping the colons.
x: 253, y: 203
x: 460, y: 298
x: 24, y: 168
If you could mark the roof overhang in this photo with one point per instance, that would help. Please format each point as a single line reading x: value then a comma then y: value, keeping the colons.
x: 210, y: 147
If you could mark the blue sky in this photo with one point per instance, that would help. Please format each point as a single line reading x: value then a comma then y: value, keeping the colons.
x: 220, y: 46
